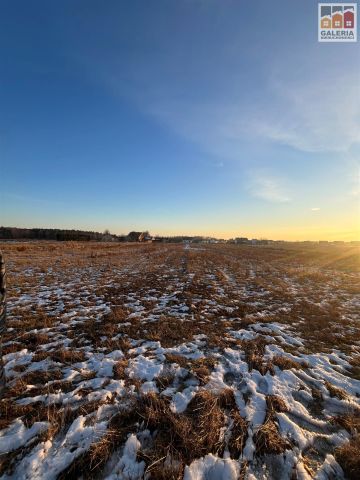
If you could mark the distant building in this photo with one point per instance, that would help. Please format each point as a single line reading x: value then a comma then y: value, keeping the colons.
x: 107, y: 237
x: 158, y: 239
x: 133, y: 236
x: 145, y: 237
x: 241, y: 240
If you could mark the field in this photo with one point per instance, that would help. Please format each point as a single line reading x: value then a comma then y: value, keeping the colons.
x: 202, y: 362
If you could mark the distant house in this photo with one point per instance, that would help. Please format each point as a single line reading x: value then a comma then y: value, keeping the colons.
x: 144, y: 237
x: 107, y: 237
x: 325, y: 22
x: 349, y: 19
x: 133, y: 236
x: 337, y: 20
x: 241, y: 240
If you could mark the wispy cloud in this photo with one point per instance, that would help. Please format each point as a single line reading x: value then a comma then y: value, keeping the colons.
x: 308, y: 116
x: 267, y: 187
x: 304, y: 101
x: 312, y: 116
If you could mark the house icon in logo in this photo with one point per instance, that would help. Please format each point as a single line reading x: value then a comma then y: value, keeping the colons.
x: 337, y: 16
x: 349, y: 17
x: 337, y: 20
x: 325, y: 21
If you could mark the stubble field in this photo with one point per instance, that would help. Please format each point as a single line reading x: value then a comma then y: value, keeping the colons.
x: 160, y: 361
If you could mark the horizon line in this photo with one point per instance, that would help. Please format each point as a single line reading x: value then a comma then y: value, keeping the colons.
x: 210, y: 237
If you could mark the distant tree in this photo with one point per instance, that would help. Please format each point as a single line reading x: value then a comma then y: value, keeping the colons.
x: 53, y: 234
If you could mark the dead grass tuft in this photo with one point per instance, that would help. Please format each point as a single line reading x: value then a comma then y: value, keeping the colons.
x: 275, y: 404
x: 317, y: 405
x: 227, y: 400
x: 348, y: 456
x: 336, y: 391
x: 119, y: 369
x: 355, y: 367
x: 254, y: 355
x: 165, y: 469
x: 64, y: 355
x: 33, y: 340
x: 202, y: 368
x: 207, y: 419
x: 164, y: 381
x: 179, y: 359
x: 93, y: 460
x: 183, y: 437
x: 286, y: 363
x: 239, y: 434
x: 349, y: 421
x: 268, y: 440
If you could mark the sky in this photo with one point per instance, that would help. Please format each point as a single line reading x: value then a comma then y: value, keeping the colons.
x: 212, y: 117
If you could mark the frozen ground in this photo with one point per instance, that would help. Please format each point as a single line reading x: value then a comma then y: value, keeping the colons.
x: 172, y: 361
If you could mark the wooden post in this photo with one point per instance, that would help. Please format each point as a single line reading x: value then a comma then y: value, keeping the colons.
x: 2, y: 319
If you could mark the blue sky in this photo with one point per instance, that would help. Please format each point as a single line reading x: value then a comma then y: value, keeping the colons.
x: 223, y: 118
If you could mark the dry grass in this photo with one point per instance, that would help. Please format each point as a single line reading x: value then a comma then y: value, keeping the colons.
x: 286, y: 363
x: 58, y: 418
x: 215, y: 307
x: 164, y: 380
x: 254, y: 355
x: 355, y: 367
x: 348, y: 457
x: 62, y: 355
x: 119, y: 369
x: 336, y: 391
x: 317, y: 405
x: 187, y: 436
x: 239, y: 434
x: 179, y: 359
x: 267, y: 438
x: 202, y: 368
x: 350, y: 421
x: 92, y: 461
x: 275, y: 404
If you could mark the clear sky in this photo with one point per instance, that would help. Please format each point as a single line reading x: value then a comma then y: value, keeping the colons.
x: 211, y: 117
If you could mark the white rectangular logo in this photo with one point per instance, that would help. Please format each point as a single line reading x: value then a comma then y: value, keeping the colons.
x: 337, y: 22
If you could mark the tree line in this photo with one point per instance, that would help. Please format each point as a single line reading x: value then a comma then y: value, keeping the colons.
x: 14, y: 233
